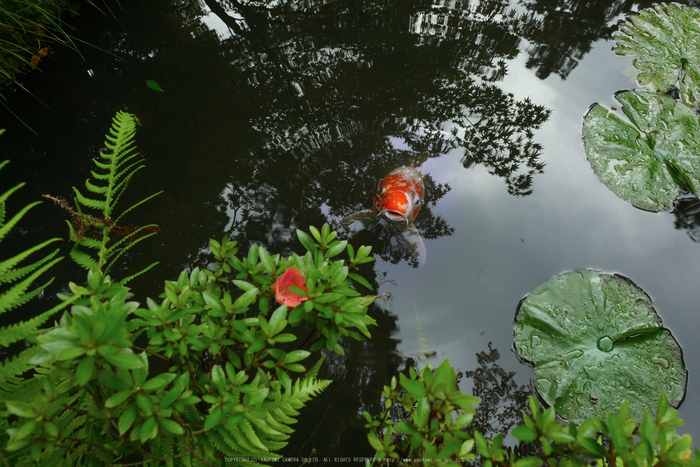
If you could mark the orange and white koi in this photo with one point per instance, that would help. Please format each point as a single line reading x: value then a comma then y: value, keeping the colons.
x: 399, y: 197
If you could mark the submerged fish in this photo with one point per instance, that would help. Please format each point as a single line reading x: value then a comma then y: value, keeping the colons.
x: 399, y: 197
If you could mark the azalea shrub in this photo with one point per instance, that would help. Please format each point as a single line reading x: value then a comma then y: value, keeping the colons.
x: 427, y: 417
x: 220, y: 372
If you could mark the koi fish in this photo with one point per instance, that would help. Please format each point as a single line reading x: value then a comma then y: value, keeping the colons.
x: 399, y: 197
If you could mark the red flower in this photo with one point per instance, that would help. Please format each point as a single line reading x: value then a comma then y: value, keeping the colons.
x: 283, y: 295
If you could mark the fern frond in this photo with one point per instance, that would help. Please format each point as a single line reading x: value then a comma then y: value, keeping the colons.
x: 5, y: 229
x: 126, y: 245
x: 11, y: 368
x: 9, y: 192
x: 25, y: 329
x: 96, y: 204
x: 122, y: 130
x: 127, y: 279
x: 230, y: 448
x: 134, y: 206
x: 27, y: 296
x: 13, y: 297
x: 100, y: 190
x: 7, y: 274
x: 83, y: 259
x: 116, y: 165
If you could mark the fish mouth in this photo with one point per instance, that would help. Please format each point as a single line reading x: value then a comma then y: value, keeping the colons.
x: 395, y: 215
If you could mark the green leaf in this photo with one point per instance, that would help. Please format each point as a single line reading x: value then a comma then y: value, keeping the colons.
x: 117, y: 398
x: 528, y: 462
x: 213, y: 418
x: 594, y: 340
x: 295, y: 356
x: 649, y: 158
x: 126, y: 360
x: 374, y: 442
x: 85, y: 369
x: 127, y: 419
x: 592, y: 445
x: 414, y: 387
x: 524, y: 433
x: 153, y: 85
x: 171, y: 426
x: 306, y: 240
x: 422, y: 412
x: 664, y: 41
x: 406, y: 428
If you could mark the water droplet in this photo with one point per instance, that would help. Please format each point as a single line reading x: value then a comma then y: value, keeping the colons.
x: 605, y: 344
x: 543, y: 385
x: 567, y: 309
x: 534, y: 340
x: 593, y: 397
x: 660, y: 361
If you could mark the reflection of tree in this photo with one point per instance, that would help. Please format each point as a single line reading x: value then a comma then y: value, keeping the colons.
x: 332, y: 423
x: 569, y: 28
x: 502, y: 401
x: 687, y: 212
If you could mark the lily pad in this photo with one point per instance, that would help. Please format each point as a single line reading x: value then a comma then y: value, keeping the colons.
x: 595, y: 339
x: 665, y: 43
x: 649, y: 157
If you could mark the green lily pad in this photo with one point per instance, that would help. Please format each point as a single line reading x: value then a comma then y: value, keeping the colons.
x: 595, y: 339
x: 649, y: 157
x: 665, y: 43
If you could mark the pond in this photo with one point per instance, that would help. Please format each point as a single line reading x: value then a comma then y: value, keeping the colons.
x: 276, y: 118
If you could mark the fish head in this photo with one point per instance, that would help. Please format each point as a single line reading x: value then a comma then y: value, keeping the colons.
x: 400, y: 195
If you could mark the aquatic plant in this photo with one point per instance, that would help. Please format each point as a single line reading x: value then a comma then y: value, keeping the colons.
x: 664, y: 41
x: 594, y: 340
x: 650, y: 157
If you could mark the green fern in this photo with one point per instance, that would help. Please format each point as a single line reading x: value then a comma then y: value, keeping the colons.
x: 18, y: 281
x: 255, y: 437
x: 20, y: 289
x: 115, y: 167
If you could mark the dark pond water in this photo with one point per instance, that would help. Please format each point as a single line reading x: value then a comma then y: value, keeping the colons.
x: 282, y: 117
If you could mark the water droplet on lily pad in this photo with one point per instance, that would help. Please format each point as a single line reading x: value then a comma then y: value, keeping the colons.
x: 605, y: 344
x: 658, y: 38
x: 649, y: 155
x: 585, y: 371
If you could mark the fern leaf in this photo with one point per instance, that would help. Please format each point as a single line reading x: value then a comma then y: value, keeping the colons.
x: 215, y: 435
x: 100, y: 190
x: 15, y: 366
x: 126, y: 247
x: 27, y: 296
x: 9, y: 192
x: 7, y: 274
x: 87, y: 242
x: 98, y: 205
x: 278, y: 425
x: 313, y: 372
x: 5, y: 229
x: 127, y: 279
x: 83, y: 259
x: 13, y: 297
x: 247, y: 429
x: 24, y: 329
x: 134, y: 206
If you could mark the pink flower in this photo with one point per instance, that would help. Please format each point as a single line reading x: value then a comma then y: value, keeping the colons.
x: 283, y: 295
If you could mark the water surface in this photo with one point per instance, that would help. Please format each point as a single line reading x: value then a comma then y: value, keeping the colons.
x: 280, y: 117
